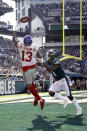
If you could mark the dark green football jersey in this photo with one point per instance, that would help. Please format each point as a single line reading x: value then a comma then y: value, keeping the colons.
x: 58, y: 73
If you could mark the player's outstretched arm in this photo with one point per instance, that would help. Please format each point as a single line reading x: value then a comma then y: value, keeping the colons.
x: 39, y: 55
x: 14, y: 38
x: 39, y: 59
x: 50, y: 68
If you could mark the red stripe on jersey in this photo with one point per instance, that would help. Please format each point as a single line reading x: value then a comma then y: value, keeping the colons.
x: 25, y: 68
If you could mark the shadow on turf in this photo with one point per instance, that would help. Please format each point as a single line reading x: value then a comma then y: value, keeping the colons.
x: 42, y: 123
x: 73, y: 120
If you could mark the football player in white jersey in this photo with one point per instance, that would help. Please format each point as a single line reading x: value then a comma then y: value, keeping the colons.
x: 28, y: 55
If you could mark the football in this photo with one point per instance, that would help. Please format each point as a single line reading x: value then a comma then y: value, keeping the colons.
x: 24, y: 19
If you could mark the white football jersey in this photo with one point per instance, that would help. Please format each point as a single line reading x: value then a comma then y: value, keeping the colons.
x: 27, y: 54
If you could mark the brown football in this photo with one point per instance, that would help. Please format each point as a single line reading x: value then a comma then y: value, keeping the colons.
x: 24, y: 19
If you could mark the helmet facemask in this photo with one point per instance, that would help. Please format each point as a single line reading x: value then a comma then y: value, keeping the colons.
x: 51, y: 54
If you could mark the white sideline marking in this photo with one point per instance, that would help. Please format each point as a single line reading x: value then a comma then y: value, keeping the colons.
x: 48, y: 99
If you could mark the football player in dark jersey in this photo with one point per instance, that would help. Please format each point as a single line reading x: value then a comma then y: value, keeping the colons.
x: 61, y: 83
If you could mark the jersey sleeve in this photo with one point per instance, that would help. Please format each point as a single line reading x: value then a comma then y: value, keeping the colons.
x: 35, y: 48
x: 19, y: 44
x: 56, y: 62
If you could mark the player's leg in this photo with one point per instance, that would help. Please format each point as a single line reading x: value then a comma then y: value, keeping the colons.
x: 29, y: 76
x: 37, y: 98
x: 53, y: 91
x: 59, y: 96
x: 69, y: 95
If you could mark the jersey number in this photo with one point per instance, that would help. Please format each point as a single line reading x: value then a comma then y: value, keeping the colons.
x: 29, y: 54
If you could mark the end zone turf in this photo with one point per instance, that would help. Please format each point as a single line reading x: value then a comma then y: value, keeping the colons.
x: 25, y: 117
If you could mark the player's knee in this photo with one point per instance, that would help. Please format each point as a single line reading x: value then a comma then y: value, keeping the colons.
x: 70, y: 97
x: 51, y: 93
x: 29, y: 85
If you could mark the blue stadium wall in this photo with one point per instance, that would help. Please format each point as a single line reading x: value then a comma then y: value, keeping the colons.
x: 11, y: 87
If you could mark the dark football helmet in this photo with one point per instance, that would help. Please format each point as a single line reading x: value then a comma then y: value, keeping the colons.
x: 51, y: 54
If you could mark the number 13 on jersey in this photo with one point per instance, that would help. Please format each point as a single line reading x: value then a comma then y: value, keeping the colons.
x: 27, y: 54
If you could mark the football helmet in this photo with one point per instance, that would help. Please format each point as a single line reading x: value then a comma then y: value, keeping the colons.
x: 51, y: 54
x: 27, y: 40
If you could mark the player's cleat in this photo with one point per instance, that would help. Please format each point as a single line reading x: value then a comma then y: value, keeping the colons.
x: 35, y: 102
x: 65, y: 103
x: 42, y: 103
x: 79, y: 111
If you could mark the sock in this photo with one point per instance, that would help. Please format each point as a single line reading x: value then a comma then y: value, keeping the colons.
x: 58, y: 96
x: 32, y: 89
x: 76, y: 103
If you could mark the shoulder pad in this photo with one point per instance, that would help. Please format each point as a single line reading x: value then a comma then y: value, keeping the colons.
x: 56, y: 61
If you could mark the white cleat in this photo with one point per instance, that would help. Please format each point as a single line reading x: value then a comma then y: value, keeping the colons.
x: 79, y: 111
x: 65, y: 103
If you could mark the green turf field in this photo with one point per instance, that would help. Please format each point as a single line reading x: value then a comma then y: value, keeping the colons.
x: 26, y: 117
x: 21, y: 115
